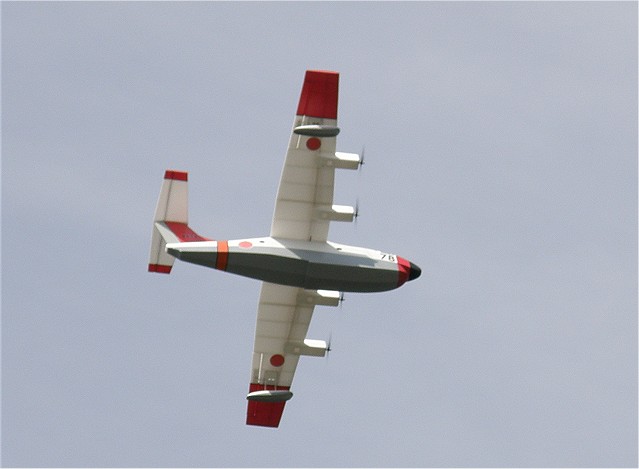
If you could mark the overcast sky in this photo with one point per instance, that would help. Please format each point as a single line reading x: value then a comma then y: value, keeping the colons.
x: 501, y: 157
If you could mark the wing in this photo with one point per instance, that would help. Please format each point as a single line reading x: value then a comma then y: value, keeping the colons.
x: 304, y: 205
x: 303, y: 210
x: 283, y: 317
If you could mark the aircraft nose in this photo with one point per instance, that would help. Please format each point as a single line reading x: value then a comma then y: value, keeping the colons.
x: 414, y: 272
x: 407, y: 271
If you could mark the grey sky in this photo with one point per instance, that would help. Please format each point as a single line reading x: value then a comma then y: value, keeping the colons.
x: 501, y: 147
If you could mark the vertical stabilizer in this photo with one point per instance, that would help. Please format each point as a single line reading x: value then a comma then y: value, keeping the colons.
x: 170, y: 222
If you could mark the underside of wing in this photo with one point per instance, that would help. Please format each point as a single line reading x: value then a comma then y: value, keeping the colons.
x: 283, y: 317
x: 303, y: 211
x: 304, y: 205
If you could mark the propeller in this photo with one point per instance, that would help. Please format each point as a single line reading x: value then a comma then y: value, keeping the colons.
x: 359, y: 172
x: 328, y: 345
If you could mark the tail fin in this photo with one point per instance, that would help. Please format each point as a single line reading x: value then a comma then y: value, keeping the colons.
x: 170, y: 223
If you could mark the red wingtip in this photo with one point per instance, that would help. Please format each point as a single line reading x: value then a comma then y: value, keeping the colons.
x: 264, y: 414
x: 177, y: 175
x: 319, y: 94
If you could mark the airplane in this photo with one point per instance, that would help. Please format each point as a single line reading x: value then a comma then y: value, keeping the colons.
x: 299, y: 267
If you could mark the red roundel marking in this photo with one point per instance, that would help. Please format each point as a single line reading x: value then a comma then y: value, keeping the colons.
x: 246, y: 244
x: 313, y: 143
x: 277, y: 360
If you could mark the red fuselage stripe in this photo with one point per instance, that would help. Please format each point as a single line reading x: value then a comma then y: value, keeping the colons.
x: 222, y: 255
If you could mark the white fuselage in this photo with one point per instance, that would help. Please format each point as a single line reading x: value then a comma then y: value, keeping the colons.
x: 310, y: 265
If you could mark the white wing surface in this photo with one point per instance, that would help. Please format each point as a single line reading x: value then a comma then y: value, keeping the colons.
x: 303, y: 211
x: 283, y: 317
x: 305, y: 195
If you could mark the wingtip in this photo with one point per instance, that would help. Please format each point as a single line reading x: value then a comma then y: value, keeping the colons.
x: 265, y: 414
x: 319, y: 94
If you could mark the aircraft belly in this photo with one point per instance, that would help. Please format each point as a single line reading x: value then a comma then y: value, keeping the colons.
x: 312, y: 270
x: 349, y: 278
x: 271, y: 268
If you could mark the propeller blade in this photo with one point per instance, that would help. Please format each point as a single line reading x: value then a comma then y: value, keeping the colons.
x: 356, y: 213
